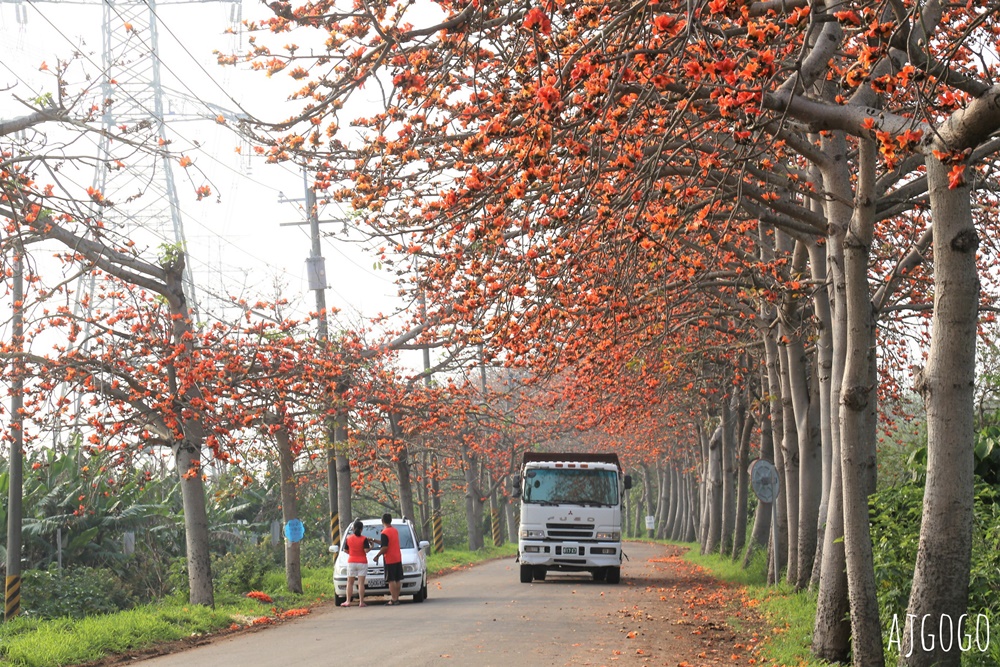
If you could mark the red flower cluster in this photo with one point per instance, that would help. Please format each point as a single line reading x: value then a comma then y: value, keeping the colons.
x: 260, y: 595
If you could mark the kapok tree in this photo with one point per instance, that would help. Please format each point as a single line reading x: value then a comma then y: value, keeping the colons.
x: 514, y: 134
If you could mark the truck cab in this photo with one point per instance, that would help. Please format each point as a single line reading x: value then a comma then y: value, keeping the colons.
x: 571, y: 515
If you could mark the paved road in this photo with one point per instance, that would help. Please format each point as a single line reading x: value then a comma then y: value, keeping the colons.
x: 482, y: 616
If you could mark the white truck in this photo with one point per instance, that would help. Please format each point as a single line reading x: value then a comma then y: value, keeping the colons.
x: 571, y: 514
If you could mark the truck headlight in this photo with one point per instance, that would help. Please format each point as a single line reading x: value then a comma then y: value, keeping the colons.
x: 410, y: 568
x: 609, y: 535
x: 527, y: 533
x: 340, y: 571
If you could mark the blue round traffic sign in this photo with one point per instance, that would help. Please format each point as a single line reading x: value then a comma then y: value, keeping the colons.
x: 294, y: 531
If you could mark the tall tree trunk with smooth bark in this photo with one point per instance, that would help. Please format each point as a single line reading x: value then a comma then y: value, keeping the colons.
x: 743, y: 480
x: 857, y: 430
x: 728, y: 478
x: 790, y: 450
x: 289, y: 507
x: 761, y: 531
x: 832, y: 628
x: 404, y: 475
x: 715, y: 491
x: 473, y: 497
x: 941, y: 577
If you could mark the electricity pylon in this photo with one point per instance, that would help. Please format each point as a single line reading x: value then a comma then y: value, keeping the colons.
x: 140, y: 192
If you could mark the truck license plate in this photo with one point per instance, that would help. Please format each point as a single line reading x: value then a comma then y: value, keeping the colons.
x: 374, y: 583
x: 569, y: 551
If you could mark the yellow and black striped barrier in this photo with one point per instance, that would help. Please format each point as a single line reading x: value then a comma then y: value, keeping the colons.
x: 334, y: 528
x: 12, y: 599
x: 495, y: 524
x: 438, y: 533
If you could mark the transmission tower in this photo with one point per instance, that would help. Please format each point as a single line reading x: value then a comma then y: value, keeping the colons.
x: 143, y: 193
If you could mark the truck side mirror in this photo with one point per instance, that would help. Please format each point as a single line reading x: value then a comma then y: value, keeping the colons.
x: 628, y: 482
x: 515, y: 484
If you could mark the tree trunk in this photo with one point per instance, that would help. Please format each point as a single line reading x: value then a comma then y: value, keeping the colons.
x: 832, y: 628
x: 941, y: 577
x: 703, y: 492
x: 728, y: 478
x: 331, y: 496
x: 423, y: 493
x: 187, y: 453
x: 693, y: 509
x: 473, y: 498
x: 857, y: 431
x: 199, y: 560
x: 743, y: 481
x: 289, y: 509
x: 771, y: 355
x: 404, y: 475
x: 640, y: 520
x: 770, y: 241
x: 662, y: 486
x: 715, y: 491
x: 676, y: 498
x: 822, y: 387
x: 343, y: 469
x: 790, y: 449
x: 810, y: 462
x: 762, y: 516
x: 435, y: 490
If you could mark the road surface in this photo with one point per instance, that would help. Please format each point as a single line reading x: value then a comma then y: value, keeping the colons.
x: 480, y: 616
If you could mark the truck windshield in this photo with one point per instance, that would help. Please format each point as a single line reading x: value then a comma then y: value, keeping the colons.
x: 570, y: 486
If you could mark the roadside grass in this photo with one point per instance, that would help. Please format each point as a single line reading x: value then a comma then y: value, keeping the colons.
x: 451, y: 559
x: 788, y: 614
x: 27, y: 642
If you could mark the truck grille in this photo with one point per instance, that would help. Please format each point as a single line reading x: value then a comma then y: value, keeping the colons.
x: 571, y: 531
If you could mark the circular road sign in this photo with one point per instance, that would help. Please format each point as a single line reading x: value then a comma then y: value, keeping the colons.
x: 764, y: 480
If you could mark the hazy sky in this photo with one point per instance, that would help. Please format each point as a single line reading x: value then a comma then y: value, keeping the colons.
x: 237, y: 244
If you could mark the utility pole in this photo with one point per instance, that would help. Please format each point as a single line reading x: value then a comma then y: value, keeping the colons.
x: 338, y: 466
x: 12, y: 586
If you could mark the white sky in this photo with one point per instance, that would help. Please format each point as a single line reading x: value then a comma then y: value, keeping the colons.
x: 239, y: 241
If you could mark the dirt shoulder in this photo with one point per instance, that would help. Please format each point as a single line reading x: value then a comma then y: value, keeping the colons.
x: 674, y: 613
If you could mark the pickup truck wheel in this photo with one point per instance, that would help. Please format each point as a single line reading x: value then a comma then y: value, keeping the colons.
x: 526, y: 574
x: 539, y: 572
x: 600, y: 573
x: 420, y: 595
x: 339, y: 599
x: 614, y: 575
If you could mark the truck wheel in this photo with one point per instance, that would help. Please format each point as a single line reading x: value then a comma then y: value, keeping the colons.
x: 420, y: 595
x: 600, y: 573
x: 339, y: 599
x: 539, y: 572
x: 525, y: 574
x: 614, y: 575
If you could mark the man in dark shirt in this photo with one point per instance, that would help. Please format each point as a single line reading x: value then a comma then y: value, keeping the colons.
x: 392, y: 558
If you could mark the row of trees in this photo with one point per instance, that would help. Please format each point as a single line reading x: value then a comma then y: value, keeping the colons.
x: 693, y: 223
x: 681, y: 209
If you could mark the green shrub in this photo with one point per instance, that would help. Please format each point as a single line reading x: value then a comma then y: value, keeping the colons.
x: 315, y: 553
x: 76, y: 593
x: 243, y: 571
x: 895, y: 521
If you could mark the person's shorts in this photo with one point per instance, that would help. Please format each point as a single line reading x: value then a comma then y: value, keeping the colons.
x: 393, y: 571
x: 357, y: 570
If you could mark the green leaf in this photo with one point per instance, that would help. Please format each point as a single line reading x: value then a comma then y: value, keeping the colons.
x: 984, y: 447
x: 83, y: 539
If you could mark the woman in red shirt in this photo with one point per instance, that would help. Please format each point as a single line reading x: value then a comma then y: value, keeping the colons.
x: 357, y: 563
